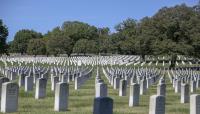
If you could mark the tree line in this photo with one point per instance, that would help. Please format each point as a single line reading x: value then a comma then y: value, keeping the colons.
x: 171, y: 31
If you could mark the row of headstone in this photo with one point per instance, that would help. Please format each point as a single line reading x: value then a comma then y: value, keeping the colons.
x: 117, y: 79
x: 184, y: 82
x: 74, y: 60
x: 82, y: 78
x: 102, y: 104
x: 157, y: 104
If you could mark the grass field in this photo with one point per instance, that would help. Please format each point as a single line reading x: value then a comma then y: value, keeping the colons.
x: 81, y: 101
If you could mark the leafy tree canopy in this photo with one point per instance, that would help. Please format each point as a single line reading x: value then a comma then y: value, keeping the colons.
x: 3, y: 37
x: 22, y: 38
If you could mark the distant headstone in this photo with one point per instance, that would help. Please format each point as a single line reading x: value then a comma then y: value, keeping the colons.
x: 122, y: 87
x: 13, y: 76
x: 55, y: 80
x: 112, y: 80
x: 35, y: 77
x: 161, y: 89
x: 143, y: 86
x: 185, y: 93
x: 116, y: 83
x: 101, y: 90
x: 198, y: 83
x: 79, y: 63
x: 22, y: 80
x: 177, y: 86
x: 77, y: 80
x: 193, y: 86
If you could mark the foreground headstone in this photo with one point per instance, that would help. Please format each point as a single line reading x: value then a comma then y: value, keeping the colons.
x: 28, y: 83
x: 184, y: 93
x: 35, y: 77
x: 112, y: 80
x: 134, y: 95
x: 77, y: 79
x: 9, y: 97
x: 61, y: 96
x: 198, y: 83
x: 101, y: 90
x: 40, y: 91
x: 177, y: 86
x: 13, y: 76
x: 195, y: 104
x: 157, y: 104
x: 103, y: 105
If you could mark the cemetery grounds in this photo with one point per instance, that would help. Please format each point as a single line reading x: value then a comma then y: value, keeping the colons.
x: 81, y: 100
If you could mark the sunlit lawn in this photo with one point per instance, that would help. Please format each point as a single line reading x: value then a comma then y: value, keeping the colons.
x: 81, y: 101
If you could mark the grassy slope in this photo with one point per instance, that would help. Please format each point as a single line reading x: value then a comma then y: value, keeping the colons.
x: 81, y: 101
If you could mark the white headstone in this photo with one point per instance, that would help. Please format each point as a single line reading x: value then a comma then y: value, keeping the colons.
x: 61, y: 96
x: 101, y: 90
x: 157, y: 104
x: 40, y: 91
x: 161, y: 89
x: 195, y: 104
x: 185, y: 93
x: 9, y: 97
x: 122, y: 87
x: 134, y: 95
x: 55, y: 80
x: 28, y: 83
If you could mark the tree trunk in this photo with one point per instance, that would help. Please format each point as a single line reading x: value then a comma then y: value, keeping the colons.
x: 68, y: 55
x: 173, y: 61
x: 142, y: 57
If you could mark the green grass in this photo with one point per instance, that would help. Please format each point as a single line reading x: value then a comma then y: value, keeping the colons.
x: 81, y: 101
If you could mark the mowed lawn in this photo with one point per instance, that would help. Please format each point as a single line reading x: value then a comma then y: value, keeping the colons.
x: 81, y: 101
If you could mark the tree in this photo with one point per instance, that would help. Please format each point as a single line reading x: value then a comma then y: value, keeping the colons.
x: 126, y: 36
x: 105, y: 44
x: 172, y: 31
x: 104, y: 41
x: 78, y: 30
x: 59, y: 45
x: 128, y: 46
x: 144, y: 47
x: 36, y: 47
x: 3, y: 37
x: 85, y: 46
x: 21, y: 40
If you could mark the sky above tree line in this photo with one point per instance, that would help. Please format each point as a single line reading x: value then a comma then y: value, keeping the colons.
x: 44, y: 15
